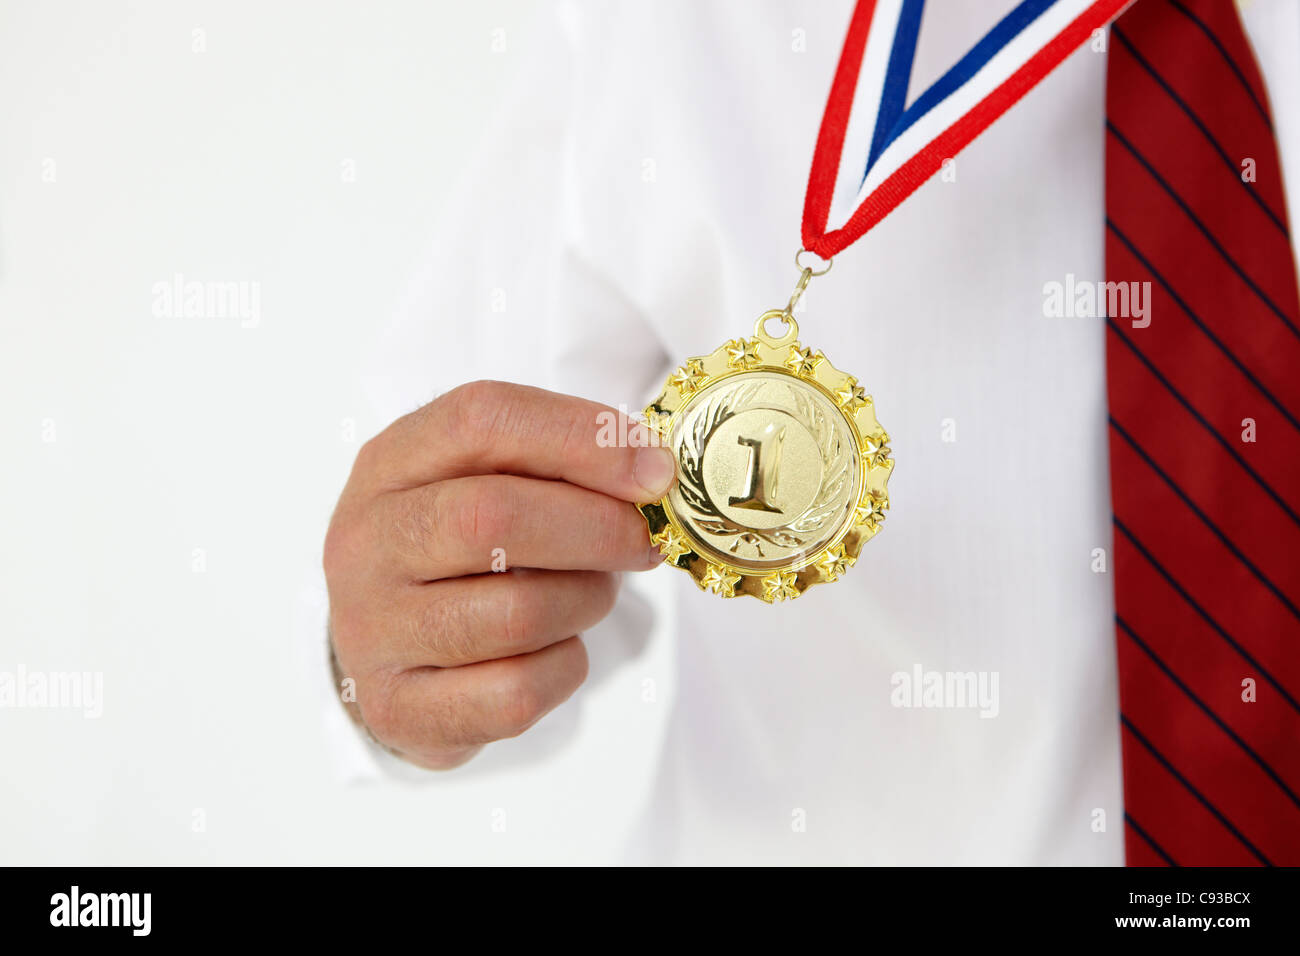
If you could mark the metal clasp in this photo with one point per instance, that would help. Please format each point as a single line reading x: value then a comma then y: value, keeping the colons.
x: 786, y: 315
x: 806, y: 273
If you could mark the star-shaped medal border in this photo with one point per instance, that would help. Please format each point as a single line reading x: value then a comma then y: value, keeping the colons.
x: 829, y: 563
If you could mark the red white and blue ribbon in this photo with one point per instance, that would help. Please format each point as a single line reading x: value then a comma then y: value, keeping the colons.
x: 875, y: 147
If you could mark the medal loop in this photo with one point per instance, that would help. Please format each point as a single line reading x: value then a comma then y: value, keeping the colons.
x: 789, y: 336
x: 798, y: 261
x: 805, y: 275
x: 798, y: 291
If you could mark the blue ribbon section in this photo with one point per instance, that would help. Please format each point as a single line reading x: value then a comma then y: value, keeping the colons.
x: 893, y: 120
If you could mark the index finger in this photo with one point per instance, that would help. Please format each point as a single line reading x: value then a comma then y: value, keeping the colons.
x: 489, y: 427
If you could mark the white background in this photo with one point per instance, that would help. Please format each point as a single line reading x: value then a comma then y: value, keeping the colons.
x: 175, y: 434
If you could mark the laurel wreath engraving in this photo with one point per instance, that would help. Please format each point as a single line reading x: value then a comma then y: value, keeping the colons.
x: 690, y: 475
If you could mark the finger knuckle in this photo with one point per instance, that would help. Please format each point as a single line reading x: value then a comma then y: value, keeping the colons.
x: 521, y: 613
x: 415, y: 520
x: 618, y: 530
x: 333, y: 552
x: 341, y: 547
x: 453, y: 724
x: 368, y: 456
x: 480, y: 513
x: 574, y: 435
x: 347, y: 628
x: 379, y: 712
x: 475, y: 409
x: 443, y: 630
x: 523, y: 701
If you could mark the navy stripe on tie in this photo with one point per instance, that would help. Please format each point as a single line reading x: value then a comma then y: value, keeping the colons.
x: 1263, y: 765
x: 1196, y: 319
x: 1147, y: 837
x: 1218, y: 815
x: 1232, y: 64
x: 1205, y: 615
x: 1236, y: 552
x: 1223, y: 154
x: 1110, y: 323
x: 1232, y: 263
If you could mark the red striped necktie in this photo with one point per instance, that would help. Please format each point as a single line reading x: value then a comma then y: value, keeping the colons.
x: 1204, y: 444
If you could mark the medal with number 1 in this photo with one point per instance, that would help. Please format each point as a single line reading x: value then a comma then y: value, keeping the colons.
x: 782, y: 466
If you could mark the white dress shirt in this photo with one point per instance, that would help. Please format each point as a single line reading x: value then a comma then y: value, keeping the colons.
x: 638, y: 202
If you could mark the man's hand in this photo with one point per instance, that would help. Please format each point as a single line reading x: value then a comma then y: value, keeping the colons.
x: 446, y: 654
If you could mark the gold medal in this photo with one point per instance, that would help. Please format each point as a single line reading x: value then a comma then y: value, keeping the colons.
x: 782, y: 466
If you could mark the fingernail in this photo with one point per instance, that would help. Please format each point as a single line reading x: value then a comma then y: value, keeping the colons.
x: 655, y: 556
x: 654, y: 471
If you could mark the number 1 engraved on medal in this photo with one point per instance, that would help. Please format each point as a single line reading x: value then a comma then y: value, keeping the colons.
x: 781, y: 470
x: 763, y: 474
